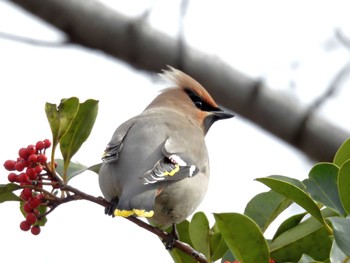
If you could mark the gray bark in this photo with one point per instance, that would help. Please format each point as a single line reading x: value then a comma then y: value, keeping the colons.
x: 90, y: 24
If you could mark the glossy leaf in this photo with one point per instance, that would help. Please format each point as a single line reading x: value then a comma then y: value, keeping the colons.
x: 183, y: 232
x: 341, y: 231
x: 293, y: 192
x: 265, y: 207
x: 78, y: 131
x: 199, y: 234
x: 337, y: 255
x: 343, y: 153
x: 75, y: 168
x: 95, y: 168
x: 60, y: 117
x: 228, y: 256
x: 288, y: 224
x: 218, y: 246
x: 307, y: 259
x: 6, y: 192
x: 322, y: 185
x: 309, y: 237
x: 344, y: 185
x: 243, y: 237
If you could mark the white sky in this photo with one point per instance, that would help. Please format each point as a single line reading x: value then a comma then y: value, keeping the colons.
x: 262, y: 39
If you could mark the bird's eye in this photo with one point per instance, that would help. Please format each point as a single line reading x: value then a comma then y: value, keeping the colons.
x: 198, y: 104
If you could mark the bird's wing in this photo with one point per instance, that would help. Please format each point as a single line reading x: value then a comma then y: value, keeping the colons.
x: 175, y: 165
x: 115, y: 146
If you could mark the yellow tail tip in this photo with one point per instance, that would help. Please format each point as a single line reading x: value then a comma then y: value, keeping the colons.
x: 123, y: 213
x: 143, y: 213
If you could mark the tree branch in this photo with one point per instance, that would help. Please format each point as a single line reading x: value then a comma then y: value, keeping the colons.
x: 79, y: 195
x: 90, y: 24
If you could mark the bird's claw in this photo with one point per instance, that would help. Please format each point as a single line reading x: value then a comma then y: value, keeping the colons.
x: 171, y: 238
x: 109, y: 209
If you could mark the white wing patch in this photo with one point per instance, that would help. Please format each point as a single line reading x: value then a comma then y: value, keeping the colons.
x: 177, y: 159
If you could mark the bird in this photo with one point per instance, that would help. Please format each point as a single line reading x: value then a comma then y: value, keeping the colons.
x: 156, y: 164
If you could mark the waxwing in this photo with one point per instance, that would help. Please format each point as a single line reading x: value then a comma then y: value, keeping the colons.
x: 156, y: 164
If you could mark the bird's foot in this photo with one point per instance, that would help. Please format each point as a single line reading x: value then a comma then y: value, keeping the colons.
x: 110, y: 208
x: 171, y: 238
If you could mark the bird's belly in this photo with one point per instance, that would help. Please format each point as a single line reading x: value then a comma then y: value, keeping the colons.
x: 179, y: 200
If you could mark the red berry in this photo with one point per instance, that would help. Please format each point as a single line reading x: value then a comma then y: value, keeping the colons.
x: 47, y: 143
x: 19, y: 166
x: 38, y: 169
x: 25, y: 226
x: 12, y: 177
x: 23, y: 153
x: 31, y: 149
x: 27, y: 208
x: 26, y: 194
x: 42, y: 158
x: 10, y: 165
x: 40, y: 197
x: 35, y: 230
x: 31, y: 218
x: 30, y: 172
x: 23, y: 178
x: 33, y: 158
x: 40, y: 145
x: 34, y: 202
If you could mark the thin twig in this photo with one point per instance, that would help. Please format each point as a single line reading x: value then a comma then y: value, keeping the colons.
x: 79, y: 195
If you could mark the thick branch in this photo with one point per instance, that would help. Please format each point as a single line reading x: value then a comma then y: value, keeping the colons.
x: 93, y: 25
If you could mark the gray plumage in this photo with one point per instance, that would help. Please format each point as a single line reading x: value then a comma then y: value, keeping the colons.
x: 157, y: 162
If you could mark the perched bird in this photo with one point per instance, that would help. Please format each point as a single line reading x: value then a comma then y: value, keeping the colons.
x: 156, y: 164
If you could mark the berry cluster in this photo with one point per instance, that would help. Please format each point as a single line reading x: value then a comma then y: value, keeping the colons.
x: 30, y: 171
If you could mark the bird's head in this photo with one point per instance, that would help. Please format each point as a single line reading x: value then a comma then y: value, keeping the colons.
x: 191, y: 99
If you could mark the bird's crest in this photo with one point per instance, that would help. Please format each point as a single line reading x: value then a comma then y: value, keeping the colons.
x: 184, y: 81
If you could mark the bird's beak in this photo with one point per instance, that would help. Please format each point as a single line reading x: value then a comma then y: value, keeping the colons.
x: 215, y: 115
x: 221, y: 114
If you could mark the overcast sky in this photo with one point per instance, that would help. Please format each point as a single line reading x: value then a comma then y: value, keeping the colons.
x: 290, y: 44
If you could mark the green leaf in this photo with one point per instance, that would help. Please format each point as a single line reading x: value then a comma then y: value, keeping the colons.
x: 309, y: 237
x: 337, y: 255
x: 6, y: 192
x: 199, y: 234
x: 183, y: 232
x: 6, y: 188
x: 322, y: 186
x: 341, y: 231
x: 78, y: 131
x: 218, y: 246
x: 4, y: 197
x: 42, y: 210
x: 228, y: 256
x: 243, y: 237
x: 288, y: 224
x: 343, y: 153
x: 60, y: 118
x: 95, y: 168
x: 307, y: 259
x: 265, y: 207
x: 75, y: 168
x: 290, y: 180
x: 295, y: 193
x: 344, y: 185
